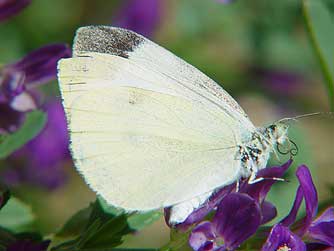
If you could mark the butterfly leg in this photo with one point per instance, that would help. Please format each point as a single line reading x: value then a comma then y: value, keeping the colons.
x: 237, y: 186
x: 253, y: 179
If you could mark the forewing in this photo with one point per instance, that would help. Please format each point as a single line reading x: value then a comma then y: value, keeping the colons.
x: 142, y: 135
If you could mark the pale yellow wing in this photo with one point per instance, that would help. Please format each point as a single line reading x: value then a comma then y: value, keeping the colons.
x: 142, y: 137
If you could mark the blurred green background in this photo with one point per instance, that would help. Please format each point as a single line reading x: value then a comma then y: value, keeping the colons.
x: 259, y: 51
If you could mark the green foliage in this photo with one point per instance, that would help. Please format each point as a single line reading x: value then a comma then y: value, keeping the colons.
x: 320, y: 24
x: 99, y: 231
x: 16, y: 216
x: 100, y: 227
x: 34, y: 123
x: 76, y: 224
x: 4, y: 198
x: 178, y: 241
x: 139, y: 221
x: 136, y: 221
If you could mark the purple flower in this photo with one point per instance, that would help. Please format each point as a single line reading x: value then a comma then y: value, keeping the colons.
x: 203, y: 237
x: 239, y: 215
x: 307, y: 191
x: 9, y: 8
x: 42, y: 160
x: 18, y: 79
x: 51, y: 145
x: 257, y: 191
x: 237, y: 218
x: 38, y: 67
x: 321, y: 229
x: 282, y: 239
x: 28, y: 245
x: 279, y: 81
x: 141, y: 16
x: 10, y: 119
x: 49, y: 150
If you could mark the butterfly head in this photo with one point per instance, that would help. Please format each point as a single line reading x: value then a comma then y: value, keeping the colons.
x: 277, y: 135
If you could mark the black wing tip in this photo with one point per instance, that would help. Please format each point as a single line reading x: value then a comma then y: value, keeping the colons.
x: 106, y: 39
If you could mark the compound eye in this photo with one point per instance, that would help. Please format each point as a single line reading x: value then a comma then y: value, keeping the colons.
x: 272, y: 127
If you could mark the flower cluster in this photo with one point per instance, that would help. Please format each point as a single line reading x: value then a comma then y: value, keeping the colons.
x: 19, y: 95
x: 19, y: 80
x: 239, y: 215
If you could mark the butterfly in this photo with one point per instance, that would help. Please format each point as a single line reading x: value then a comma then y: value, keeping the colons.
x: 148, y: 130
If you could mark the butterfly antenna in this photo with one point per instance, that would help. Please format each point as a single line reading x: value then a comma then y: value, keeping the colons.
x: 296, y: 118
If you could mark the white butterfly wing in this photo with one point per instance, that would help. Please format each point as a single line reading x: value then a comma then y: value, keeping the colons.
x: 147, y: 129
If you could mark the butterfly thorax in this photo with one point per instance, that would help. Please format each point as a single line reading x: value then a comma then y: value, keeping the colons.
x: 255, y: 152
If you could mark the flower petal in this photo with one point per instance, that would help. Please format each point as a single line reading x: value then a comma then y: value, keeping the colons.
x: 202, y: 237
x: 269, y: 212
x: 259, y: 190
x: 282, y: 239
x: 307, y: 191
x: 24, y: 102
x: 237, y: 218
x: 11, y: 83
x: 141, y: 16
x: 317, y: 247
x: 322, y: 229
x: 44, y: 165
x: 10, y: 119
x: 40, y: 65
x: 199, y: 214
x: 323, y: 232
x: 326, y: 216
x: 310, y: 196
x: 9, y: 8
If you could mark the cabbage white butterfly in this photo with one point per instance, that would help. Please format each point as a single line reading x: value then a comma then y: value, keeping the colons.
x: 149, y: 130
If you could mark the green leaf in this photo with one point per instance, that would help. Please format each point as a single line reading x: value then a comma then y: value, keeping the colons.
x: 4, y: 198
x: 34, y: 123
x: 320, y: 25
x: 140, y: 220
x: 99, y: 230
x: 100, y: 227
x: 6, y: 237
x: 16, y: 216
x: 108, y: 209
x: 76, y: 224
x: 107, y: 234
x: 136, y: 221
x: 178, y: 241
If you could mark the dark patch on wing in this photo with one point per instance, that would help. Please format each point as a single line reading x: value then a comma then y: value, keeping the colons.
x: 106, y: 39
